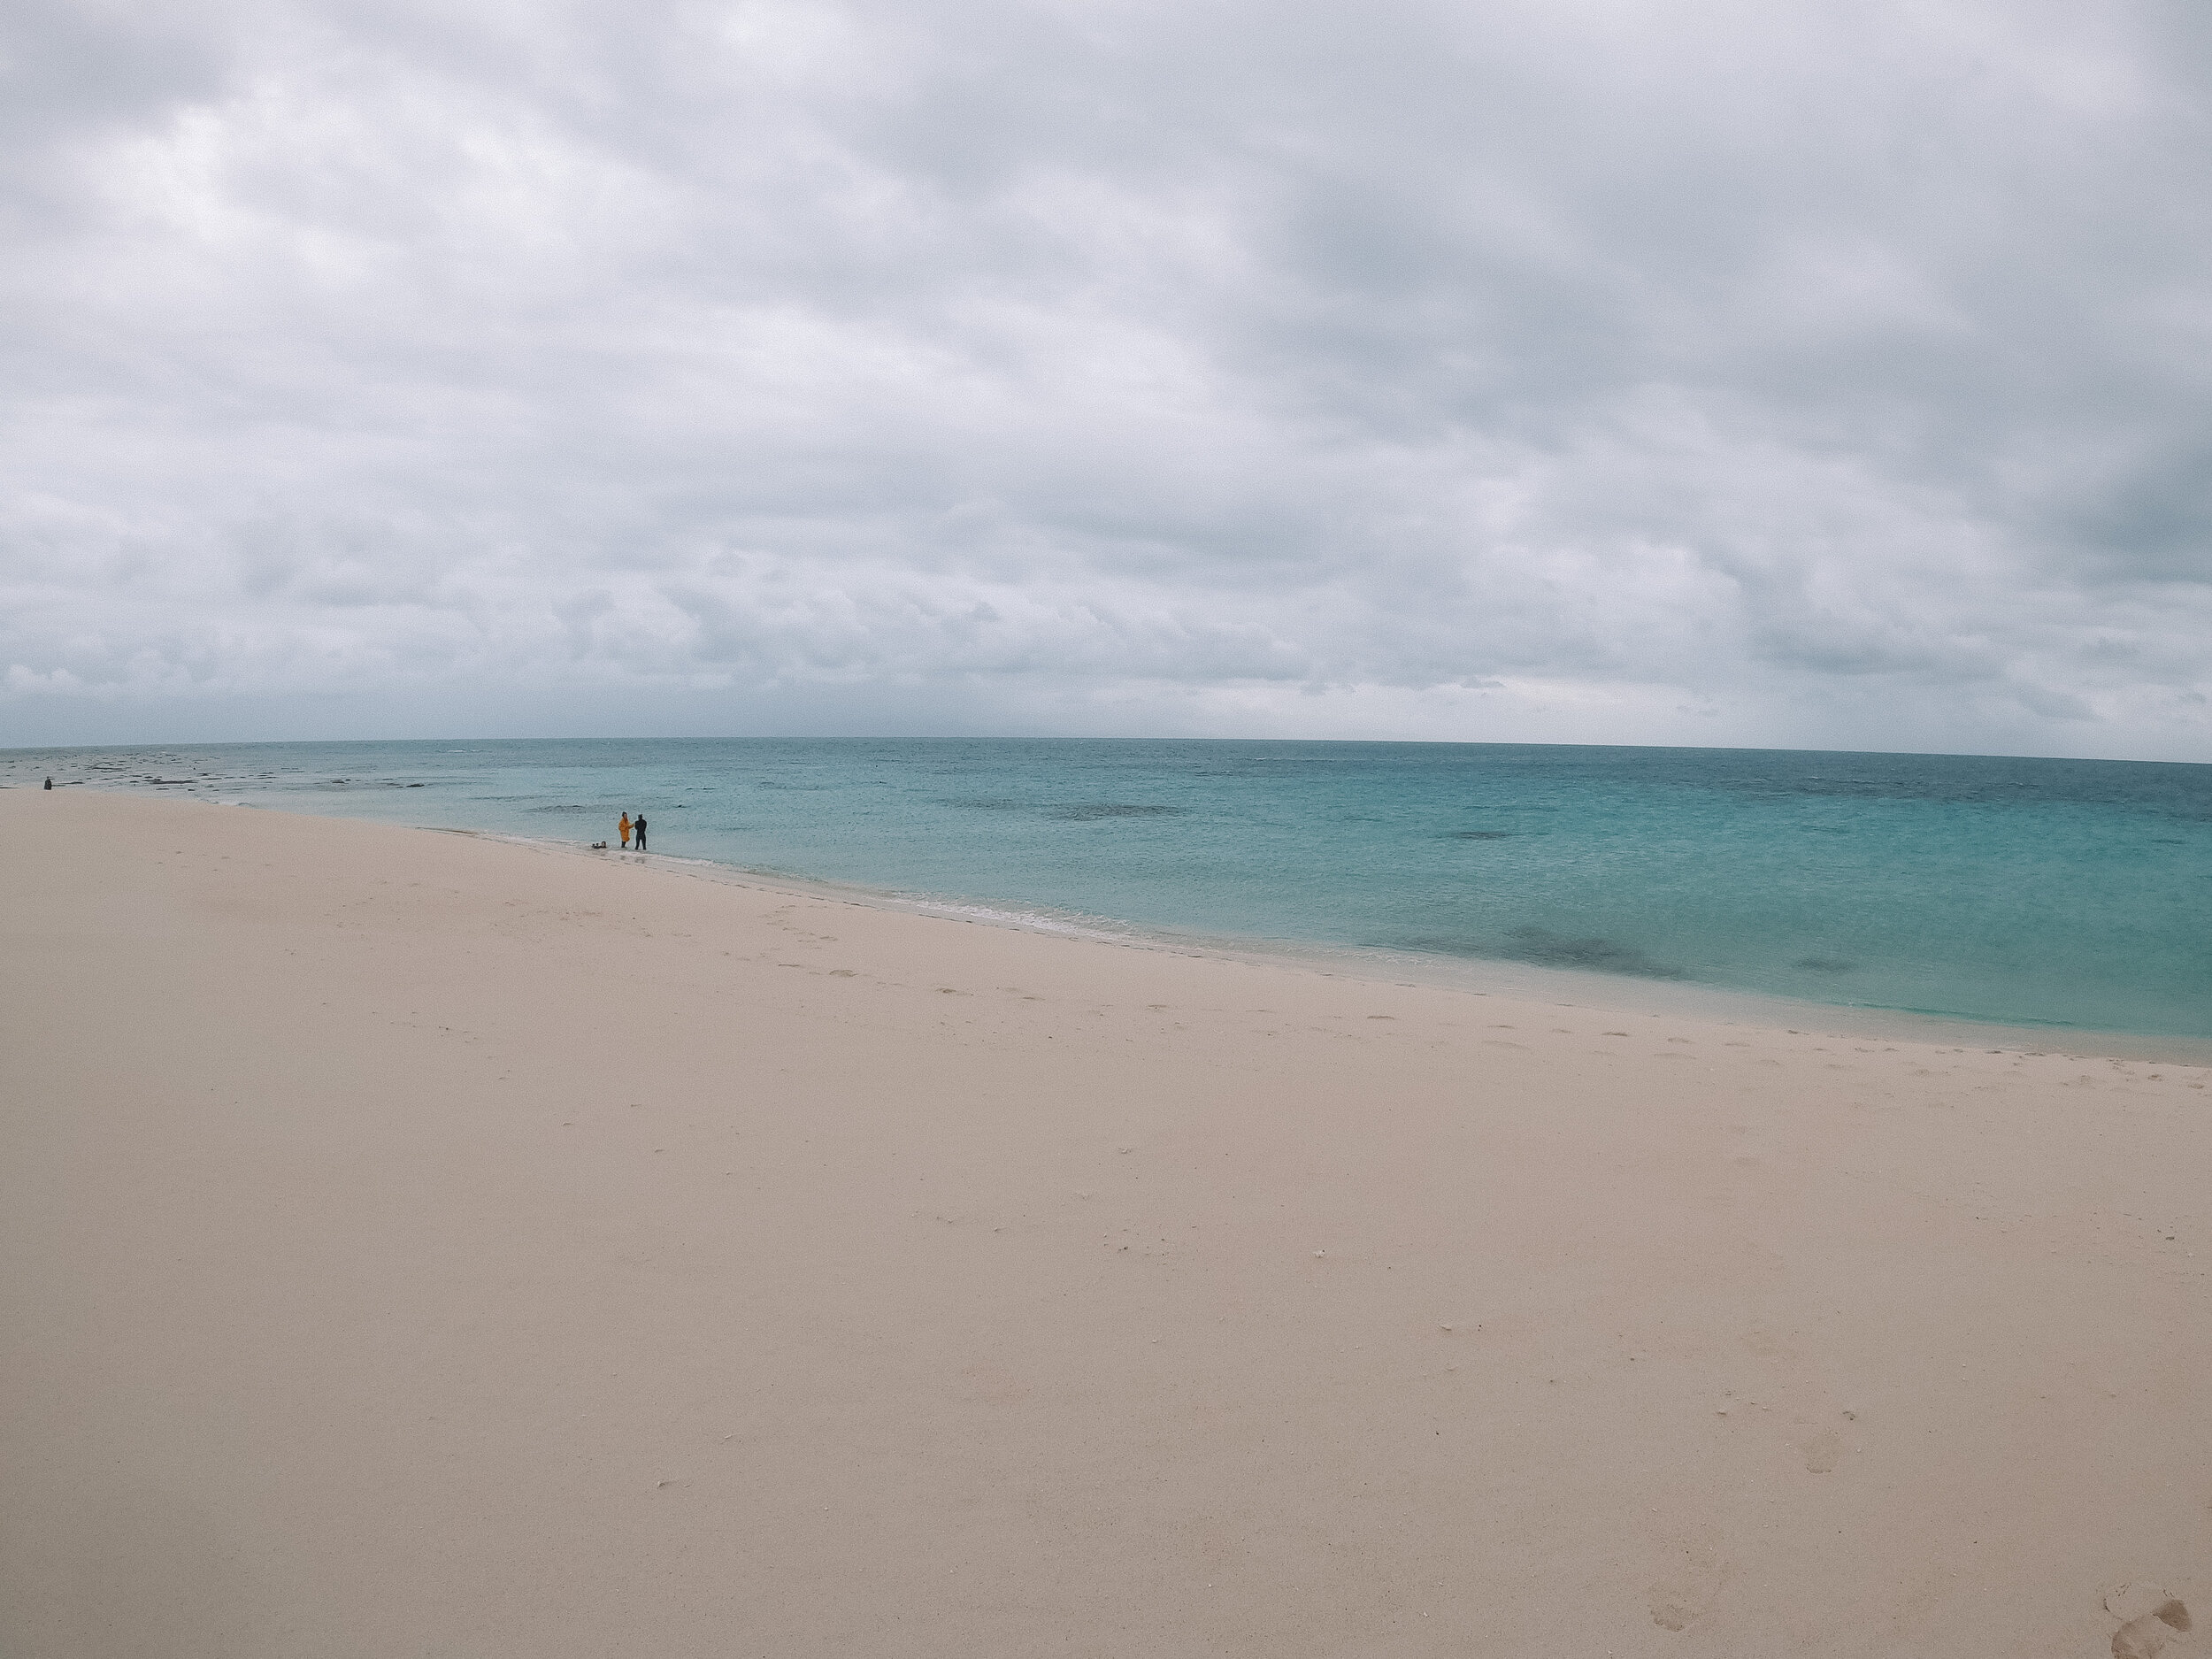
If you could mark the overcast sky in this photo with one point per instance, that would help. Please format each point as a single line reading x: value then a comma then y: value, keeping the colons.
x: 1832, y: 376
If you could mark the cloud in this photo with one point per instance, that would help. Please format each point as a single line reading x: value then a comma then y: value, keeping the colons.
x: 1714, y: 372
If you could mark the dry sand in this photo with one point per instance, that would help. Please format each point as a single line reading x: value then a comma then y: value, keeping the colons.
x: 419, y: 1244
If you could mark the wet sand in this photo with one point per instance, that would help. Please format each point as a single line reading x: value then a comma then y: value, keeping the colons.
x: 413, y: 1242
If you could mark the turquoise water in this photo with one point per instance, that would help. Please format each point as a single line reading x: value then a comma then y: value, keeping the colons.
x: 2029, y: 892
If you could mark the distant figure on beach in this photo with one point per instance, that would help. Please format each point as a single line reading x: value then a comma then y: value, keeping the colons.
x: 638, y: 829
x: 49, y: 783
x: 624, y: 828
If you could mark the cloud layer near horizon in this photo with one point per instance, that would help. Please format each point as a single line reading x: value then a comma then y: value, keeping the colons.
x: 1692, y: 374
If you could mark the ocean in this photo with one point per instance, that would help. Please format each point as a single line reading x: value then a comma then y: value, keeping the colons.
x: 2035, y: 893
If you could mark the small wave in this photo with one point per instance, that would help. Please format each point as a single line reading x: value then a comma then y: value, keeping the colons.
x: 1031, y: 921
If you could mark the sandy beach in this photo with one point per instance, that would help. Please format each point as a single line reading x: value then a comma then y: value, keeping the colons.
x: 422, y: 1243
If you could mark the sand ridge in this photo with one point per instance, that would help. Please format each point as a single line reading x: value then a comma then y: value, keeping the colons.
x: 419, y: 1243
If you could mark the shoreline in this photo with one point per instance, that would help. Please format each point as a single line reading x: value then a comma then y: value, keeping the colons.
x: 1770, y: 998
x: 1594, y: 990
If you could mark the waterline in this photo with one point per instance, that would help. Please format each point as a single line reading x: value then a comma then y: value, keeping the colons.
x: 2067, y: 895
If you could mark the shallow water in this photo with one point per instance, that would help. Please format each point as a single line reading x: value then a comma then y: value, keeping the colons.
x: 2026, y: 892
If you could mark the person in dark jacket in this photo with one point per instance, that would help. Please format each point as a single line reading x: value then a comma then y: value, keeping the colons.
x: 637, y: 831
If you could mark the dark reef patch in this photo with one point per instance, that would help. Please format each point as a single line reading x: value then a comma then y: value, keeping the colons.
x: 1824, y: 964
x: 1540, y: 945
x: 1545, y: 949
x: 1094, y: 811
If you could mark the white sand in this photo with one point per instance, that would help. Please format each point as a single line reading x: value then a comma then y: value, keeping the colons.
x: 417, y: 1244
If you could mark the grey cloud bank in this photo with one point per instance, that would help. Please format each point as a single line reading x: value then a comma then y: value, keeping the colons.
x: 1796, y: 375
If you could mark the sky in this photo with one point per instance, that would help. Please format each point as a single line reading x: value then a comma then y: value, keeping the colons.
x: 1773, y: 374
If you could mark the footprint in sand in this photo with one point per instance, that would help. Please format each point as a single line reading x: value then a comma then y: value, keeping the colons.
x: 1682, y: 1597
x: 1679, y: 1604
x: 2149, y: 1618
x: 1822, y: 1451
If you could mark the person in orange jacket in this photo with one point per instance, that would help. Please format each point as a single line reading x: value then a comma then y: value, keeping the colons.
x: 624, y: 828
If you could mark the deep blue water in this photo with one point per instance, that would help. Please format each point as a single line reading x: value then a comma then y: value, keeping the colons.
x: 2066, y: 893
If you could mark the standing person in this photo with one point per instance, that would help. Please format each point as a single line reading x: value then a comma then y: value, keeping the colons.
x: 639, y: 828
x: 49, y: 783
x: 624, y: 828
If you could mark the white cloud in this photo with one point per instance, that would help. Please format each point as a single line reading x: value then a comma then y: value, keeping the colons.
x: 1701, y: 374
